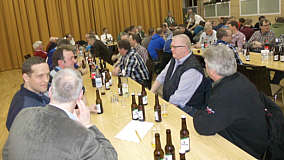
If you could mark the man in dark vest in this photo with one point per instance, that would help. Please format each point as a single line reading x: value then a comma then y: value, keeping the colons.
x: 183, y: 79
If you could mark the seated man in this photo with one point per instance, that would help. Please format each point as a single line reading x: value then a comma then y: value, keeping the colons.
x: 57, y: 131
x: 38, y: 50
x: 36, y: 75
x: 133, y: 40
x: 208, y: 36
x: 131, y: 64
x: 183, y: 78
x: 264, y: 35
x: 146, y: 40
x: 234, y: 109
x: 106, y: 37
x: 224, y: 36
x: 157, y: 43
x: 59, y: 43
x: 168, y: 34
x: 99, y: 49
x: 238, y: 38
x: 62, y: 58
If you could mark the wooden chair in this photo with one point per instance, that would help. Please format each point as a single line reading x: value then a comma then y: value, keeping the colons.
x: 260, y: 77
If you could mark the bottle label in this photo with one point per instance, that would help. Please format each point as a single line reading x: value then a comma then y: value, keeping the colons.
x: 98, y: 107
x: 104, y: 76
x: 135, y: 114
x: 140, y: 114
x: 145, y: 100
x: 184, y: 144
x: 168, y: 157
x: 282, y: 58
x: 276, y: 57
x: 107, y: 85
x: 119, y: 91
x: 124, y: 88
x: 157, y: 118
x: 99, y: 83
x: 247, y: 57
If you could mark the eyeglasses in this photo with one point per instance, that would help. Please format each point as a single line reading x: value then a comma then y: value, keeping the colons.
x: 176, y: 47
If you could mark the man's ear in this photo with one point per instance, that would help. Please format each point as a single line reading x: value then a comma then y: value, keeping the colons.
x: 26, y: 77
x: 81, y: 95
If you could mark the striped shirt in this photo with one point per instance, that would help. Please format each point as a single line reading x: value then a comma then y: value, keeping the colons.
x: 142, y: 52
x: 134, y: 66
x: 262, y: 37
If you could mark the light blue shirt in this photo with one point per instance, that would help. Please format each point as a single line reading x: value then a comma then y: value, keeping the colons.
x: 189, y: 82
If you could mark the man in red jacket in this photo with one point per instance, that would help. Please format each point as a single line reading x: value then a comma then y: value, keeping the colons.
x: 38, y: 50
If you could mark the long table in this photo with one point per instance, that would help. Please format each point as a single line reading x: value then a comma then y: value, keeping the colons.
x: 116, y: 116
x: 256, y: 59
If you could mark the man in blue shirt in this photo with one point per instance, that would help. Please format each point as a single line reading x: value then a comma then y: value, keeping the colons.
x: 36, y: 76
x: 157, y: 43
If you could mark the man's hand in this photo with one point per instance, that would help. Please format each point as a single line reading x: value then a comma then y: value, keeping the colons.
x: 256, y: 44
x: 84, y: 114
x: 115, y: 71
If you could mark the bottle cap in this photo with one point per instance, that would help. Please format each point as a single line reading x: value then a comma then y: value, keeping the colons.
x: 183, y: 116
x: 133, y: 94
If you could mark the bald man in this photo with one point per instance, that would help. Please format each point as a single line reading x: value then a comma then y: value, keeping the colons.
x: 183, y: 79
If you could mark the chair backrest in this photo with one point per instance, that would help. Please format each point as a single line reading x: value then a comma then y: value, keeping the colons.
x: 259, y: 76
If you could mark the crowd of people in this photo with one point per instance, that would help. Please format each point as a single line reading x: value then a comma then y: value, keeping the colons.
x: 223, y: 102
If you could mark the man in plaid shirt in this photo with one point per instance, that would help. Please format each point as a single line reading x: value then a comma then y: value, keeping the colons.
x: 264, y: 35
x: 131, y: 63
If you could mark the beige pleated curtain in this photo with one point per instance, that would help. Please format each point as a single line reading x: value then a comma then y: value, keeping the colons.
x: 23, y: 22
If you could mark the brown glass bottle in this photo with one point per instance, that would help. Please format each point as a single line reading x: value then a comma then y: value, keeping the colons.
x: 144, y: 96
x: 83, y: 64
x: 141, y: 110
x: 134, y: 108
x: 119, y: 86
x: 99, y: 104
x: 247, y: 54
x: 169, y: 148
x: 282, y: 54
x: 182, y: 154
x: 184, y: 135
x: 158, y: 152
x: 276, y: 53
x: 107, y: 79
x: 157, y: 109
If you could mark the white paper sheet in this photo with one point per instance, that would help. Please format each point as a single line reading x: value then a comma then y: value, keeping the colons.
x: 128, y: 133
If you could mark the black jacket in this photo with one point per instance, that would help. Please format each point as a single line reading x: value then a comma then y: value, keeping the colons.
x: 236, y: 112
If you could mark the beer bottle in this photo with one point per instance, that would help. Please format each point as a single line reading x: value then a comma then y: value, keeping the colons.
x: 110, y: 80
x: 119, y: 86
x: 101, y: 64
x: 247, y: 54
x: 107, y: 79
x: 144, y: 95
x: 93, y: 75
x: 276, y: 53
x: 99, y: 105
x: 184, y: 135
x: 282, y: 53
x: 90, y: 65
x: 157, y: 109
x: 134, y: 108
x: 182, y: 154
x: 169, y: 148
x: 83, y: 64
x: 141, y: 110
x: 236, y: 45
x: 158, y: 152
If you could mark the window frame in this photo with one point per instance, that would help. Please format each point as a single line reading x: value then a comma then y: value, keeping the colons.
x: 258, y: 14
x: 215, y: 4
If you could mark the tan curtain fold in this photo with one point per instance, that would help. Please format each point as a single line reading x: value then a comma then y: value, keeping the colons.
x: 26, y: 21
